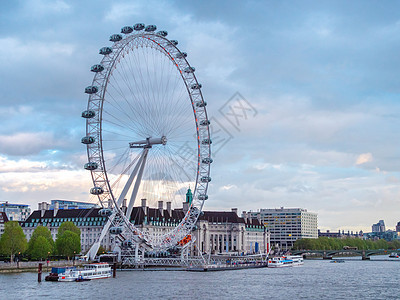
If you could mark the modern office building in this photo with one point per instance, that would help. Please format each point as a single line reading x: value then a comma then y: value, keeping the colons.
x: 398, y: 227
x: 286, y: 225
x: 68, y: 204
x: 217, y: 231
x: 15, y: 212
x: 379, y: 227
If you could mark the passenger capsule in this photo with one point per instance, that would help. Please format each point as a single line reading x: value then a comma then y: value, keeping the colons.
x: 206, y: 142
x: 162, y: 33
x: 91, y: 89
x: 181, y: 55
x: 174, y: 42
x: 207, y: 160
x: 126, y: 29
x: 201, y: 104
x: 203, y: 197
x: 88, y: 140
x: 204, y: 122
x: 205, y: 179
x: 97, y: 68
x: 105, y: 212
x: 189, y: 70
x: 88, y: 114
x: 139, y: 26
x: 150, y: 28
x: 115, y: 38
x: 196, y: 86
x: 116, y: 230
x: 105, y: 50
x: 96, y: 190
x: 91, y: 166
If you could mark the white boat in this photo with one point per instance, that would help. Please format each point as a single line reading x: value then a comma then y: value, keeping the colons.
x: 89, y: 272
x: 285, y: 261
x: 297, y: 259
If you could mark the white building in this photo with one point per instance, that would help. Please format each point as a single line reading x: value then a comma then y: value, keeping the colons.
x: 216, y: 232
x: 286, y: 225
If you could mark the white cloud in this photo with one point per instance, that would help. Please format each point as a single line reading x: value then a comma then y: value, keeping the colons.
x: 228, y: 187
x: 364, y: 158
x: 28, y: 181
x: 25, y: 143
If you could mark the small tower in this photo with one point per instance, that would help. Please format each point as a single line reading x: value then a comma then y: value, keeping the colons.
x: 189, y: 196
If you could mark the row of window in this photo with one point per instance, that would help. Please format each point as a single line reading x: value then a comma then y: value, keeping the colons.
x: 68, y: 219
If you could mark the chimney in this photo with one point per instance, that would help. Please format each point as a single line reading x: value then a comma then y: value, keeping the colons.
x: 244, y: 216
x: 39, y: 206
x: 235, y: 210
x: 161, y: 208
x: 110, y: 203
x: 185, y: 207
x: 124, y: 208
x: 144, y: 207
x: 43, y: 209
x: 56, y: 207
x: 169, y: 208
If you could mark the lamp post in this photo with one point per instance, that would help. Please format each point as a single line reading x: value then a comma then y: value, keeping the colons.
x: 73, y: 262
x: 48, y: 260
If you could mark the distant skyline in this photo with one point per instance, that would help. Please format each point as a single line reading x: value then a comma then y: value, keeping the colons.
x: 318, y: 80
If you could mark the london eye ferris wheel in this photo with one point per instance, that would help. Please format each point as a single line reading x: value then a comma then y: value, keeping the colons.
x: 147, y: 134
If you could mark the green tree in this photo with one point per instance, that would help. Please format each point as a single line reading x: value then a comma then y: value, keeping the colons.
x: 41, y: 248
x: 101, y: 250
x: 13, y: 239
x: 68, y: 226
x: 44, y: 232
x: 68, y: 244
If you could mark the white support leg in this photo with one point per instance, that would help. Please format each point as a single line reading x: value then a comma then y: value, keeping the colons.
x: 95, y: 247
x: 137, y: 184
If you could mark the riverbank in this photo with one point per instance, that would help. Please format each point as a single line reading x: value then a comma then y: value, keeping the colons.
x: 32, y: 266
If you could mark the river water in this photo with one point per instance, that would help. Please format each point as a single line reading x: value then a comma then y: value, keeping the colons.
x: 316, y: 279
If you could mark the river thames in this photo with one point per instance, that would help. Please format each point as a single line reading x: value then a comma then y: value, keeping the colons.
x: 316, y: 279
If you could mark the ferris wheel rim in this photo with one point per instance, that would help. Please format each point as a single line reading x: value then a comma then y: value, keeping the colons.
x: 204, y: 150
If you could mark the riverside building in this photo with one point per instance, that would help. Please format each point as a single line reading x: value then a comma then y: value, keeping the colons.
x: 216, y: 231
x: 286, y: 225
x: 3, y: 220
x: 15, y: 212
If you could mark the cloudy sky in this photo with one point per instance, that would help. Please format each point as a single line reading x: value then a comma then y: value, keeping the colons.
x: 304, y: 98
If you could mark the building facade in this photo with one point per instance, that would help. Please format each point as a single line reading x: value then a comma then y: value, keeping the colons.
x: 379, y: 227
x: 67, y: 204
x: 286, y: 225
x: 341, y: 234
x: 216, y: 232
x: 3, y: 220
x: 15, y: 212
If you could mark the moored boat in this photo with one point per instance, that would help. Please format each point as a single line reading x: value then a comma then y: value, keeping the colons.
x: 89, y: 272
x: 394, y: 255
x: 56, y: 271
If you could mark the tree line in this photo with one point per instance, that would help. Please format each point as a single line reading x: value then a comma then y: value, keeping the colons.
x: 326, y: 243
x: 41, y: 244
